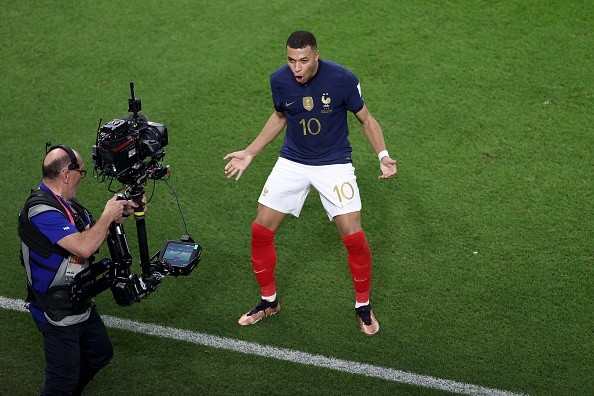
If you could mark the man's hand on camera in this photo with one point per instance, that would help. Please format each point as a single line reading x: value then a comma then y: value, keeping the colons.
x: 117, y: 209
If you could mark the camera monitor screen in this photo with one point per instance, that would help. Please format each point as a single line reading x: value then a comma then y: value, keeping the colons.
x: 181, y: 256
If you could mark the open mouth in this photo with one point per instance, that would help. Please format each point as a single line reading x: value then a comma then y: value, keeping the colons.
x: 299, y: 79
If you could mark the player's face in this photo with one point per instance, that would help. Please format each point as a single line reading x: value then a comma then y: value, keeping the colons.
x: 303, y: 63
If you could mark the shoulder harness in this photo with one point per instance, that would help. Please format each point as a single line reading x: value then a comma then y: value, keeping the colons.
x: 32, y: 236
x: 57, y: 303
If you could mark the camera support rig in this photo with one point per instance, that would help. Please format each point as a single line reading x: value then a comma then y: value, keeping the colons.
x: 176, y: 258
x: 130, y: 150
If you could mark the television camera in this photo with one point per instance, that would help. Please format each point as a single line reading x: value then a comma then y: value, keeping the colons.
x: 130, y: 150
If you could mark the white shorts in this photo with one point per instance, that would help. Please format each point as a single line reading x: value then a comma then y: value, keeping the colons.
x: 289, y: 183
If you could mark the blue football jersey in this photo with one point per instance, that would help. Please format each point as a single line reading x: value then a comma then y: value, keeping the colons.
x: 316, y: 113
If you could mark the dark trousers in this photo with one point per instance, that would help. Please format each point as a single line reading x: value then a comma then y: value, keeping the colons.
x: 74, y: 354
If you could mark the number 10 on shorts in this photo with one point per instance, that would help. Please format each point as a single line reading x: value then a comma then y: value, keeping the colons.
x: 345, y: 192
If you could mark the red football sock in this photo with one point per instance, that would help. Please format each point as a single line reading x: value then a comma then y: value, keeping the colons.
x: 264, y: 258
x: 359, y: 257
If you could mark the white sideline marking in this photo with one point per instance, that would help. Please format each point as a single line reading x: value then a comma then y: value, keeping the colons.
x: 288, y: 355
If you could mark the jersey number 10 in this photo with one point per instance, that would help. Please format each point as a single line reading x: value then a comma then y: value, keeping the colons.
x: 313, y: 126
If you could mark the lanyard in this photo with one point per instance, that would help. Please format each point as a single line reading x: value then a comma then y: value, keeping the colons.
x: 65, y: 208
x: 62, y: 202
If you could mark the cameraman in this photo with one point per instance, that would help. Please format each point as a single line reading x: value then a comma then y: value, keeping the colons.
x: 59, y: 239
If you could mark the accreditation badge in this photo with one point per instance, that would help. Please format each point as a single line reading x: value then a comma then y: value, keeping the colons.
x: 75, y: 265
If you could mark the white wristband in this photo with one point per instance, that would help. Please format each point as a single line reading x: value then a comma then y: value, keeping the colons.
x: 382, y: 154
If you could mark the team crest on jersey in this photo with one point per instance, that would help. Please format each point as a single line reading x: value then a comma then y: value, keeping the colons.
x: 326, y: 103
x: 308, y: 103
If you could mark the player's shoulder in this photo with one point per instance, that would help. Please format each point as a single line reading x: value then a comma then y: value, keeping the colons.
x: 338, y: 73
x: 335, y: 68
x: 282, y: 75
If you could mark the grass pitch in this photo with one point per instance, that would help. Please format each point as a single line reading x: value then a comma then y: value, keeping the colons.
x: 483, y: 252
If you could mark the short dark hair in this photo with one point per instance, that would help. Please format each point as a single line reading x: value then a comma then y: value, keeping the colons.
x: 302, y: 39
x: 53, y: 169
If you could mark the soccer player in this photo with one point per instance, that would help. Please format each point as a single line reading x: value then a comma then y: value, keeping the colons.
x: 311, y: 98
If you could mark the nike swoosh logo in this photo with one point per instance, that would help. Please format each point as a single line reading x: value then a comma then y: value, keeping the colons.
x: 287, y: 104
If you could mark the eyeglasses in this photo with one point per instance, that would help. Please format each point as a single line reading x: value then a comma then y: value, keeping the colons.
x: 83, y: 172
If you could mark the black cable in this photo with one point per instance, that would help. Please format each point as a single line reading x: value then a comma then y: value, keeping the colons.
x: 178, y: 205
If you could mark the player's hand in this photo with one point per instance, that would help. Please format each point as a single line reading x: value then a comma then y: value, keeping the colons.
x: 388, y: 168
x: 239, y: 161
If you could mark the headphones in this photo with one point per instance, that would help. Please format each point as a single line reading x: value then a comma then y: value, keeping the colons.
x: 73, y: 161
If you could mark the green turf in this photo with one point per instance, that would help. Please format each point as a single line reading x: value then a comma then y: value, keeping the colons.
x: 483, y: 246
